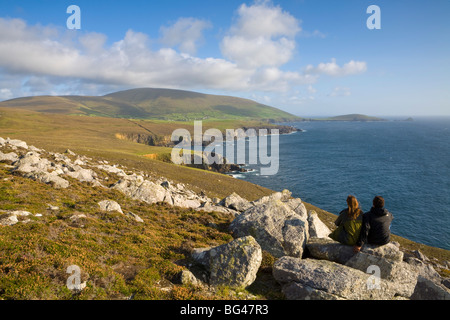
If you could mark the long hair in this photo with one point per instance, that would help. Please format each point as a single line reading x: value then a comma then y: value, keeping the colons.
x: 353, y: 207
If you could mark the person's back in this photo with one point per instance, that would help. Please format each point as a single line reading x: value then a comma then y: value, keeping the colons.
x: 376, y: 225
x: 349, y: 223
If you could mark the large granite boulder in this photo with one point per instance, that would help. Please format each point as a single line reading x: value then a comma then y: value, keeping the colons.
x: 234, y: 264
x: 275, y: 226
x: 322, y: 279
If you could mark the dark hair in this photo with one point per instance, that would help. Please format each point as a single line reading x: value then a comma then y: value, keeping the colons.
x: 378, y: 202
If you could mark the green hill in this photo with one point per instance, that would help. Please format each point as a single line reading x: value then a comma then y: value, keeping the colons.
x: 149, y: 103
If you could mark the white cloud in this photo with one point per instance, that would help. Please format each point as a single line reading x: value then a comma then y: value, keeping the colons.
x: 5, y: 94
x: 263, y: 35
x: 340, y: 92
x: 333, y: 69
x: 186, y: 33
x: 42, y: 60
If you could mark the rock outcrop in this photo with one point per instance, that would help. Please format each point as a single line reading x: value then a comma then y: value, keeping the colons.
x: 275, y: 226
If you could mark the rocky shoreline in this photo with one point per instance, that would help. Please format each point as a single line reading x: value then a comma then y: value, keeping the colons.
x: 308, y: 264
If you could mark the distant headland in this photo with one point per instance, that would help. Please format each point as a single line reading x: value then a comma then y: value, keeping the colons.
x: 348, y: 117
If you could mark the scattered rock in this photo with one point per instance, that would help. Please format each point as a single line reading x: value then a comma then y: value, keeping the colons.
x: 17, y: 143
x: 208, y: 207
x: 235, y: 202
x: 139, y: 189
x: 110, y: 205
x: 419, y: 255
x: 83, y: 175
x: 134, y: 216
x: 283, y: 196
x: 68, y: 151
x: 186, y: 277
x: 8, y: 220
x: 12, y: 156
x: 234, y: 264
x: 52, y: 208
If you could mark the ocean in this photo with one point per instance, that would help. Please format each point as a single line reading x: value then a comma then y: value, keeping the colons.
x: 406, y: 162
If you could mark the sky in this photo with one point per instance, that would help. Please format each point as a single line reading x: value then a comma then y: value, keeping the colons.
x: 306, y: 57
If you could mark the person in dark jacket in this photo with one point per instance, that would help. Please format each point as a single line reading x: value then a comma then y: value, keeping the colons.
x: 376, y: 225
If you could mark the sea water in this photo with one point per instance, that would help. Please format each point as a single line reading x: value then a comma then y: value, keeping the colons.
x: 406, y: 162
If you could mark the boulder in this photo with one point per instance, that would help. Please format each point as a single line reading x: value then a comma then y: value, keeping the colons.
x: 17, y: 143
x: 297, y: 206
x: 297, y: 291
x: 328, y: 249
x: 235, y: 202
x: 83, y: 175
x: 317, y: 228
x: 277, y: 228
x: 32, y: 162
x: 12, y: 156
x: 8, y: 220
x: 112, y: 169
x: 427, y: 289
x: 182, y: 201
x: 110, y: 205
x: 388, y: 251
x: 134, y: 216
x: 424, y: 269
x: 139, y: 189
x: 48, y: 178
x: 389, y: 267
x: 283, y: 196
x: 208, y: 207
x: 2, y: 142
x: 186, y: 277
x: 234, y: 264
x: 321, y: 279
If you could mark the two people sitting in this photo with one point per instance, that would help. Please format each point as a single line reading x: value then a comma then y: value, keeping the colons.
x: 356, y: 228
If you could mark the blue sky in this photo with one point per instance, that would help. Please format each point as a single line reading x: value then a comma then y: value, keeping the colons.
x: 305, y: 57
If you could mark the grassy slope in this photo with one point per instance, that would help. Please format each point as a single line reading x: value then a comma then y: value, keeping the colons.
x: 46, y: 247
x: 153, y: 104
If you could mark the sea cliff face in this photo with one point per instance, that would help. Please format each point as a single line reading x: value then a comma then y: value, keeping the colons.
x: 305, y: 262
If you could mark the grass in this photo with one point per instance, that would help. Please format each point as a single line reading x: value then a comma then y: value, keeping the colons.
x: 119, y: 257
